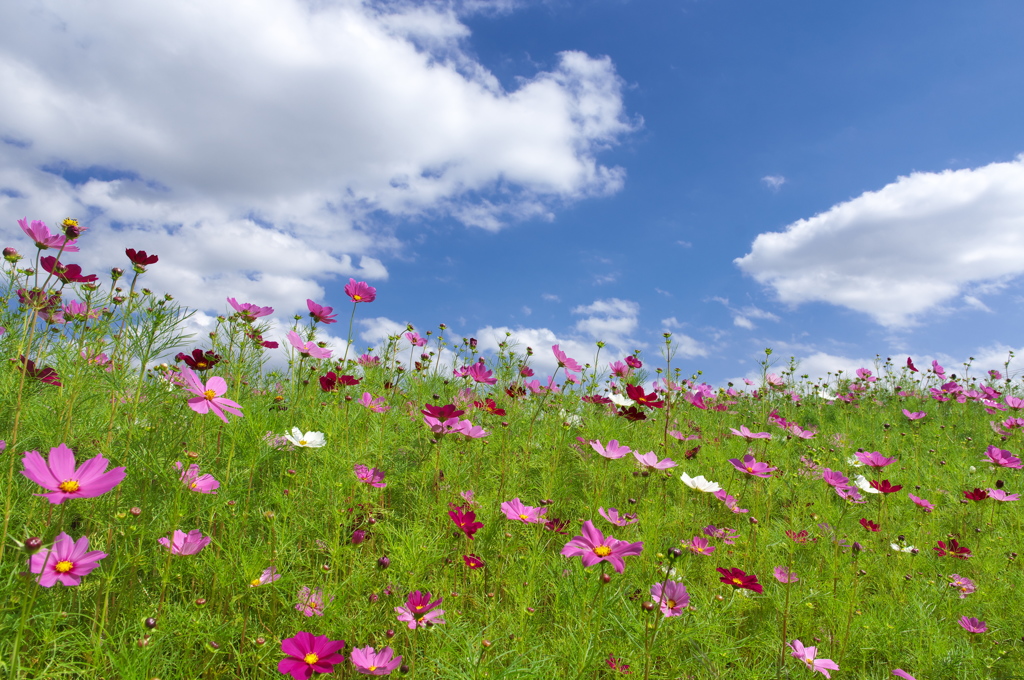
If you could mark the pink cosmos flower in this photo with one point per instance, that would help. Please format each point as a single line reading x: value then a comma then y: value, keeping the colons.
x: 593, y: 547
x: 65, y: 562
x: 914, y: 415
x: 311, y: 602
x: 801, y: 433
x: 874, y: 459
x: 369, y: 662
x: 1002, y: 458
x: 309, y: 654
x: 185, y: 544
x: 972, y: 625
x: 730, y: 501
x: 750, y: 465
x: 963, y: 584
x: 208, y: 397
x: 368, y: 475
x: 415, y: 339
x: 939, y: 370
x: 612, y: 515
x: 724, y: 533
x: 698, y: 546
x: 322, y: 314
x: 269, y: 575
x: 807, y: 654
x: 64, y: 480
x: 40, y: 233
x: 834, y: 478
x: 619, y: 369
x: 1000, y: 495
x: 783, y: 576
x: 360, y: 291
x: 196, y: 482
x: 479, y: 373
x: 564, y: 361
x: 368, y: 360
x: 614, y: 450
x: 928, y: 507
x: 419, y: 611
x: 468, y: 429
x: 900, y: 673
x: 248, y: 311
x: 671, y: 596
x: 514, y: 509
x: 376, y: 405
x: 650, y: 461
x: 308, y: 348
x: 747, y: 434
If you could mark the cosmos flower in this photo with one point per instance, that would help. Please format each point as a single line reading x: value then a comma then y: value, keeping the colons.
x: 637, y: 394
x: 40, y: 233
x: 807, y: 654
x: 650, y: 461
x: 954, y: 549
x: 368, y: 475
x: 369, y: 662
x: 322, y: 314
x: 783, y: 576
x: 1000, y: 495
x: 516, y: 510
x: 750, y: 466
x: 564, y: 361
x: 1002, y: 458
x: 873, y: 459
x: 592, y: 547
x: 65, y: 562
x: 671, y: 596
x: 927, y: 506
x: 309, y: 440
x: 196, y: 482
x: 308, y: 348
x: 208, y: 397
x: 248, y: 311
x: 269, y: 575
x: 914, y: 415
x: 900, y: 673
x: 737, y: 578
x: 747, y: 434
x: 612, y: 515
x: 360, y: 291
x: 698, y: 546
x: 613, y: 450
x: 419, y: 611
x: 698, y: 483
x: 963, y: 584
x: 64, y: 481
x: 472, y: 561
x: 465, y: 520
x: 972, y: 625
x: 309, y: 654
x: 185, y: 544
x: 311, y: 602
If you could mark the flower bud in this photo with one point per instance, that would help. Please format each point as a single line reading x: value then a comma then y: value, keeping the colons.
x: 389, y: 633
x: 260, y: 641
x: 11, y: 255
x: 116, y: 273
x: 135, y: 512
x: 150, y: 623
x: 33, y: 544
x: 648, y: 606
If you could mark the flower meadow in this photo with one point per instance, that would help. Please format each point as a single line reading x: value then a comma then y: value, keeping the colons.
x: 257, y: 503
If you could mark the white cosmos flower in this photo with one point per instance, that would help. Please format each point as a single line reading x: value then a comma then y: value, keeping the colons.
x: 854, y: 461
x: 902, y: 548
x: 698, y: 483
x: 620, y: 400
x: 864, y: 485
x: 310, y: 440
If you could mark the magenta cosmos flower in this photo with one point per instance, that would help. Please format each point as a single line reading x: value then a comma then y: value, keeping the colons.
x: 309, y: 654
x: 320, y: 313
x: 593, y: 547
x: 972, y: 625
x: 185, y: 544
x: 65, y: 562
x: 613, y: 450
x: 1002, y: 458
x: 1000, y: 495
x: 747, y: 434
x: 698, y: 546
x: 750, y: 465
x: 369, y: 662
x: 650, y: 461
x: 64, y: 480
x: 671, y: 596
x: 807, y: 654
x: 465, y: 520
x: 248, y: 311
x: 195, y: 481
x: 208, y: 397
x: 928, y: 507
x: 900, y: 673
x: 613, y: 516
x: 360, y: 291
x: 737, y: 578
x: 419, y: 611
x: 874, y: 459
x: 311, y: 602
x: 371, y: 476
x: 565, y: 361
x: 515, y: 509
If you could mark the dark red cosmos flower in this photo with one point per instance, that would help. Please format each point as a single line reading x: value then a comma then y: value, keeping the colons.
x: 472, y: 561
x: 39, y: 300
x: 596, y: 399
x: 636, y: 393
x: 954, y: 549
x: 976, y: 495
x: 465, y: 520
x: 442, y: 413
x: 800, y: 537
x: 140, y: 258
x: 884, y: 486
x: 66, y: 273
x: 738, y: 578
x: 199, y: 360
x: 557, y: 525
x: 632, y: 413
x: 910, y: 365
x: 869, y: 525
x: 617, y: 665
x: 44, y: 374
x: 490, y: 406
x: 633, y: 362
x: 691, y: 453
x: 515, y: 391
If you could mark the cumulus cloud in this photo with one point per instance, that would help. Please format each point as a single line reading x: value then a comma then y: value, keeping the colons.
x: 253, y: 143
x: 612, y: 320
x: 903, y: 251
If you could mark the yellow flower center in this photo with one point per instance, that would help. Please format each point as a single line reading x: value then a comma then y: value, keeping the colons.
x: 255, y: 582
x: 193, y: 485
x: 357, y: 298
x: 602, y: 551
x: 302, y: 442
x: 750, y: 468
x: 69, y: 486
x: 671, y: 604
x: 737, y: 581
x: 524, y: 516
x: 64, y: 566
x: 209, y: 394
x: 371, y: 668
x: 311, y: 658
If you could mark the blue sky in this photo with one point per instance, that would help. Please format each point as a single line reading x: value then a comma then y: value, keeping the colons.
x: 832, y: 181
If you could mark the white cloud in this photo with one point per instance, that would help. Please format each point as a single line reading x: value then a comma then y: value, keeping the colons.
x: 612, y: 321
x: 251, y: 142
x: 550, y: 297
x: 743, y: 322
x: 901, y: 252
x: 773, y: 182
